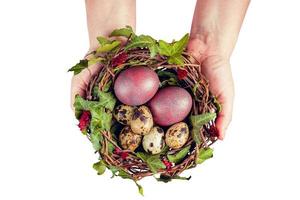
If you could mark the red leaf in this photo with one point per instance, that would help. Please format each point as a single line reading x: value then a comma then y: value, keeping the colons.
x: 213, y: 131
x: 167, y: 163
x: 121, y: 153
x: 84, y: 120
x: 119, y: 59
x: 181, y: 73
x: 124, y: 155
x: 117, y: 150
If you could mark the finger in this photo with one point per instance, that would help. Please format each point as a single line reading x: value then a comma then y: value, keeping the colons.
x: 225, y: 116
x: 80, y: 82
x: 220, y: 80
x: 77, y: 88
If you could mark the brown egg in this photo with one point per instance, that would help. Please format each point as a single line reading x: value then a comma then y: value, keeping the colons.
x: 142, y: 120
x: 123, y: 114
x: 129, y: 140
x: 177, y: 135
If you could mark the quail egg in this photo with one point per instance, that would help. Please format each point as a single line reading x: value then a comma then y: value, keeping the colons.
x: 142, y: 120
x: 177, y: 135
x: 154, y: 142
x: 123, y: 114
x: 129, y: 140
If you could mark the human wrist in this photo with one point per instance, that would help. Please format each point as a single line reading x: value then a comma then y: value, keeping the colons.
x: 208, y: 41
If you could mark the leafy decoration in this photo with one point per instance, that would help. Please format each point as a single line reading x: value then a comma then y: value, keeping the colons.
x: 100, y: 167
x: 204, y: 154
x: 174, y: 50
x: 167, y: 78
x: 79, y: 67
x: 179, y: 156
x: 107, y: 100
x: 195, y: 135
x: 197, y: 122
x: 96, y: 139
x: 202, y: 119
x: 218, y: 105
x: 101, y: 119
x: 140, y: 188
x: 166, y: 179
x: 153, y: 161
x: 143, y: 41
x: 108, y: 47
x: 126, y: 32
x: 95, y: 60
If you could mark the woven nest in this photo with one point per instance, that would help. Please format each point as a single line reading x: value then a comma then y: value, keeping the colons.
x: 203, y: 102
x: 112, y: 58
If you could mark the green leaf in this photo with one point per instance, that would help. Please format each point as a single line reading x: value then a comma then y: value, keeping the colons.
x: 179, y: 46
x: 108, y: 47
x: 114, y: 170
x: 176, y: 59
x: 79, y: 67
x: 100, y: 119
x: 107, y: 100
x: 202, y: 119
x: 140, y: 188
x: 123, y: 174
x: 96, y: 139
x: 166, y: 74
x: 111, y: 147
x: 196, y: 135
x: 107, y: 86
x: 153, y: 161
x: 182, y: 177
x: 167, y: 78
x: 174, y: 50
x: 100, y: 167
x: 143, y: 41
x: 204, y: 154
x: 179, y: 156
x: 165, y: 48
x: 126, y: 32
x: 165, y: 178
x: 195, y: 88
x: 81, y: 104
x: 142, y: 156
x: 197, y: 122
x: 103, y: 40
x: 218, y: 105
x: 153, y: 50
x: 95, y: 60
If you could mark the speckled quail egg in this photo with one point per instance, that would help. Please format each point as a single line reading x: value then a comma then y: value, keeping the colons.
x: 123, y: 114
x: 142, y: 120
x: 129, y: 140
x: 177, y: 135
x: 154, y: 141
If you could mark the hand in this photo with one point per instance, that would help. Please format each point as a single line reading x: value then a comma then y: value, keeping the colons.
x: 81, y: 81
x: 216, y: 69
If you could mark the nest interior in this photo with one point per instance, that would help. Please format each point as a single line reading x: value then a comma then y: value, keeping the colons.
x: 135, y: 165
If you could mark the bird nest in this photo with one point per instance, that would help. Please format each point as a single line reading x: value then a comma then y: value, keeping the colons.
x: 95, y: 110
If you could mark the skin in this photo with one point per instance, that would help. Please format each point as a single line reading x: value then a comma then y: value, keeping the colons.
x: 215, y: 28
x: 214, y: 32
x: 102, y: 18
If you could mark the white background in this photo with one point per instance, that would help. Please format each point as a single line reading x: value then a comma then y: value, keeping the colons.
x: 44, y: 156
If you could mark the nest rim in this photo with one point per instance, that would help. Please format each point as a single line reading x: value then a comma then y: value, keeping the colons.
x: 136, y: 167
